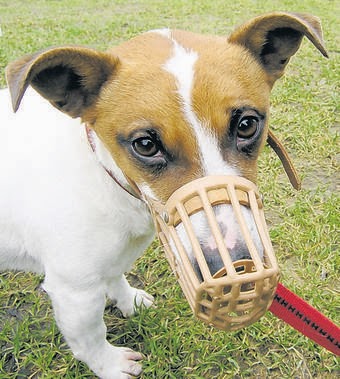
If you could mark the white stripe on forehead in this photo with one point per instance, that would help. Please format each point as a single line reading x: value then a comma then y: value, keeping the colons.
x: 166, y: 32
x: 182, y: 66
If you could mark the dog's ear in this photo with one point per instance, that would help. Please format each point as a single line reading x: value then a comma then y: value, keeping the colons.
x: 274, y: 37
x: 69, y: 77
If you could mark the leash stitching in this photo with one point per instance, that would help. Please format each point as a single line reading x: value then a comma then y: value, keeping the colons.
x: 307, y: 320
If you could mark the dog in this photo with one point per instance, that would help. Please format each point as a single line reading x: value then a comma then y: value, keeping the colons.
x: 137, y: 121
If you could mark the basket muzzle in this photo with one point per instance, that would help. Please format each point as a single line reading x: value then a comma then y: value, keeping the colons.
x: 216, y: 240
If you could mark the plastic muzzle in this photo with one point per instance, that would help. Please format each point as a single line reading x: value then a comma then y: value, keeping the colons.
x: 240, y: 292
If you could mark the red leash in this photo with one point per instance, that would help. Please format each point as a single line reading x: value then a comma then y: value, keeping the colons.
x: 306, y: 319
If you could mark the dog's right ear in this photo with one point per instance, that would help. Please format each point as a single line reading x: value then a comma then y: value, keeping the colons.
x: 274, y: 37
x: 69, y: 77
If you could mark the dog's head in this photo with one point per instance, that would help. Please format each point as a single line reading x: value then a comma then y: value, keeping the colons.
x: 172, y: 106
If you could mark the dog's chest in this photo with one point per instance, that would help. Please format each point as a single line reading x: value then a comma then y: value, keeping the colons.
x: 52, y: 185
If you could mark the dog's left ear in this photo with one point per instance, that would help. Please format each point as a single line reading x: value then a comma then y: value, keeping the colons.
x: 69, y: 77
x: 274, y: 37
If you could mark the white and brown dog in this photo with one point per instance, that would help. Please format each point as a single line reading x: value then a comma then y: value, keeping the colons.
x: 162, y: 109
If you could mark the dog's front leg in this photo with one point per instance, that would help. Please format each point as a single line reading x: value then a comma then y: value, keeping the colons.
x: 128, y: 298
x: 79, y: 315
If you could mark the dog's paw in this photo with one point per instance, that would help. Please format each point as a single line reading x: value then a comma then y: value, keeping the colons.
x: 131, y: 365
x: 130, y: 305
x: 117, y: 363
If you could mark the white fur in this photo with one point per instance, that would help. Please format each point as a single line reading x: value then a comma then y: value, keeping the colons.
x: 61, y: 214
x: 182, y: 66
x: 105, y: 158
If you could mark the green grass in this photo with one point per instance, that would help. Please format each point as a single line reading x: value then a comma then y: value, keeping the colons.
x: 304, y: 225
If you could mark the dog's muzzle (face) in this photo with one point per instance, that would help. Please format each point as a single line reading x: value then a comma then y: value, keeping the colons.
x: 229, y: 282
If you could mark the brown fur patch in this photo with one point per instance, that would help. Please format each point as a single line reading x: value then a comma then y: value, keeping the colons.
x: 233, y: 81
x: 144, y: 95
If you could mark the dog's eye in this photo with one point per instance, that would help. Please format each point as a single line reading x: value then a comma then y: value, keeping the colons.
x: 247, y: 127
x: 145, y: 146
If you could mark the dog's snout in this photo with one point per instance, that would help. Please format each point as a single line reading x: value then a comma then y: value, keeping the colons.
x: 232, y: 237
x: 221, y: 239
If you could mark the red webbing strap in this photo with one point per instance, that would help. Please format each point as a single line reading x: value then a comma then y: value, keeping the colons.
x: 306, y: 319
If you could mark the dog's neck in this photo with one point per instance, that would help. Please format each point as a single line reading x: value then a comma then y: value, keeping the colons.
x: 109, y: 164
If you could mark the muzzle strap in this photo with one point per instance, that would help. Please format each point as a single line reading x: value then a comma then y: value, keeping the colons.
x: 133, y: 190
x: 287, y: 163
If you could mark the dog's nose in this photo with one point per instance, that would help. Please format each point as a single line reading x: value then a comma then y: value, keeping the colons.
x: 214, y: 259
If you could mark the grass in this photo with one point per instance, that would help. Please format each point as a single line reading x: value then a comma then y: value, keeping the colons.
x: 304, y: 225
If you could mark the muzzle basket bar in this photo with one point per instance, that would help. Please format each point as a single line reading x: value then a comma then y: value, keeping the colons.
x: 240, y: 292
